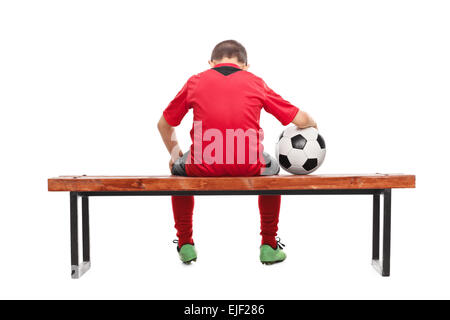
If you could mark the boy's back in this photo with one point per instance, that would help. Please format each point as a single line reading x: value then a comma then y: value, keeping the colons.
x: 226, y: 134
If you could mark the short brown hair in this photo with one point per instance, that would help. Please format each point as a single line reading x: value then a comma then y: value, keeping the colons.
x: 229, y: 49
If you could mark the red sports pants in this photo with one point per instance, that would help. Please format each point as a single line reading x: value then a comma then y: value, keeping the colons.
x: 269, y: 209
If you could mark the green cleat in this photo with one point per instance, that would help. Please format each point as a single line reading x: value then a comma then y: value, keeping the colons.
x: 187, y: 253
x: 269, y: 255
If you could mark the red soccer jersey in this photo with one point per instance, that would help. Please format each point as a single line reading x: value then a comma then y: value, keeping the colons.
x: 227, y: 103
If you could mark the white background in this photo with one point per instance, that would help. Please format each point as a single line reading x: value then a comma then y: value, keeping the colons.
x: 83, y: 83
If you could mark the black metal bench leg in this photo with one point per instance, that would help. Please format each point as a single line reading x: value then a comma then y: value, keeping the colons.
x: 387, y: 234
x: 383, y: 267
x: 376, y: 228
x: 74, y: 231
x: 79, y: 269
x: 86, y: 231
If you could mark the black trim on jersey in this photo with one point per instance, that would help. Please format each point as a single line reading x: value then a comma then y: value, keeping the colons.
x: 227, y: 70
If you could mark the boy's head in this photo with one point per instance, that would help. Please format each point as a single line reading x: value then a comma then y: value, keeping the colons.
x: 229, y: 51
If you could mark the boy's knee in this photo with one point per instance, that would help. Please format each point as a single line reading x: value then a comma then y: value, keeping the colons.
x: 179, y: 168
x: 272, y: 167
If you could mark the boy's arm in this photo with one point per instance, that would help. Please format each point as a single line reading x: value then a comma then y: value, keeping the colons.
x: 284, y: 111
x: 172, y: 116
x: 169, y: 138
x: 304, y: 120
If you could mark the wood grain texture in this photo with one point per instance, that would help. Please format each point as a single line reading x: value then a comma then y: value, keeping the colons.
x: 283, y: 182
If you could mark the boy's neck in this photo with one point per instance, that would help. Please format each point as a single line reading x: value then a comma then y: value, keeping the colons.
x: 234, y: 61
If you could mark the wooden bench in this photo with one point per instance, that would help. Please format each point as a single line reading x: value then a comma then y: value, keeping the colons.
x: 376, y: 185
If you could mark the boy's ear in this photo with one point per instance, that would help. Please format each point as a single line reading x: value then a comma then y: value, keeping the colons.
x: 245, y: 68
x: 212, y: 64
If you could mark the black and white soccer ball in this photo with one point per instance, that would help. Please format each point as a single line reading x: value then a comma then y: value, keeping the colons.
x: 300, y: 151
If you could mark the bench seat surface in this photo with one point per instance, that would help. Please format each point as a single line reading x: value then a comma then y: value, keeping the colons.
x: 282, y: 182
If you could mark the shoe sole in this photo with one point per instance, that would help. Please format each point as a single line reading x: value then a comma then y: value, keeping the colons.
x: 190, y: 261
x: 268, y: 263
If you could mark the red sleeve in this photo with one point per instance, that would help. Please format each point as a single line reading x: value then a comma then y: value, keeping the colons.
x: 178, y: 107
x: 281, y: 109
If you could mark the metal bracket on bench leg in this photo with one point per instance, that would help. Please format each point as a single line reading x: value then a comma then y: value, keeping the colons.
x: 382, y: 266
x: 78, y: 269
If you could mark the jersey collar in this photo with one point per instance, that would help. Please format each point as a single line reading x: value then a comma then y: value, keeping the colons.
x: 227, y: 65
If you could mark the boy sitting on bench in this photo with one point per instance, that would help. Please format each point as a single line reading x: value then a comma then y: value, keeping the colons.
x: 226, y: 139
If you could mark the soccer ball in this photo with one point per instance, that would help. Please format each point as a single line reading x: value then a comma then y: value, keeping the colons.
x: 300, y: 151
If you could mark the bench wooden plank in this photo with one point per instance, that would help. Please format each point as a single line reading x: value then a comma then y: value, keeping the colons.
x: 282, y: 182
